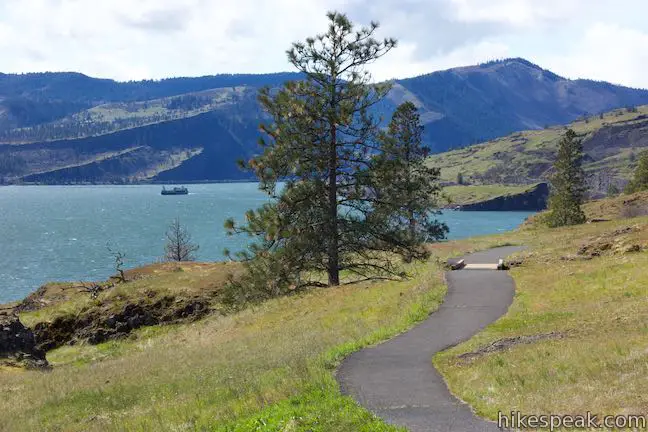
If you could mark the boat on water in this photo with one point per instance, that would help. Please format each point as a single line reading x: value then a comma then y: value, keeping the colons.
x: 175, y: 191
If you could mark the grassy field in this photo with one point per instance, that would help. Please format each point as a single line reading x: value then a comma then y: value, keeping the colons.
x: 271, y: 367
x: 267, y: 368
x: 524, y: 157
x: 581, y: 312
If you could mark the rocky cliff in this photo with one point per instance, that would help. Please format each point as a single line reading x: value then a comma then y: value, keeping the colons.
x: 533, y: 199
x: 18, y: 344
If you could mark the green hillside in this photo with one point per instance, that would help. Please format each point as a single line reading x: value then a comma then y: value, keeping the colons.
x: 611, y: 142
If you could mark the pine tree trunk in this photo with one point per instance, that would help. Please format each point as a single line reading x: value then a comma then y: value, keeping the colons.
x: 332, y: 252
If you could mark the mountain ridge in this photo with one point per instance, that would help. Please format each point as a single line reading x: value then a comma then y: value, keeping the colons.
x: 68, y: 116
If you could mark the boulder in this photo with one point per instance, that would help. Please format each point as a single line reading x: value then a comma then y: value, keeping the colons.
x: 18, y: 345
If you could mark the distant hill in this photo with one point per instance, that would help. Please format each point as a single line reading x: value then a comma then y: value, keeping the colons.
x: 611, y: 141
x: 70, y: 128
x: 35, y: 98
x: 482, y: 102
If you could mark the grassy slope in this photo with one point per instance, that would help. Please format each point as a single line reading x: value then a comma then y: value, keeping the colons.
x: 271, y: 367
x: 265, y: 368
x: 459, y: 194
x: 618, y: 207
x: 147, y: 112
x: 527, y: 151
x: 598, y: 304
x: 146, y: 284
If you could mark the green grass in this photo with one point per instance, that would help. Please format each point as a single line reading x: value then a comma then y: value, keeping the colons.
x: 526, y: 156
x: 145, y: 284
x: 264, y: 368
x: 600, y: 307
x: 271, y: 367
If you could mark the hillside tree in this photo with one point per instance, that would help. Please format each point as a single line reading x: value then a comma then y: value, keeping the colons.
x: 639, y: 181
x: 322, y: 142
x: 567, y: 183
x: 407, y: 188
x: 460, y: 178
x: 179, y: 245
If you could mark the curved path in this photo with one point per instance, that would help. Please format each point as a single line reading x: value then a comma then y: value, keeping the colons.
x: 396, y: 379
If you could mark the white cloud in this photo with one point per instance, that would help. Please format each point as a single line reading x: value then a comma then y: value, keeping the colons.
x: 517, y: 13
x: 126, y: 39
x: 402, y: 62
x: 605, y: 52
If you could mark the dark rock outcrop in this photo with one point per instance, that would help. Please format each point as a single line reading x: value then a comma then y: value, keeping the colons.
x: 17, y: 344
x: 99, y: 325
x: 534, y: 199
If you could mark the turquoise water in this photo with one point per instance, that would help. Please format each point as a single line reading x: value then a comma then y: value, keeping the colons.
x: 58, y: 233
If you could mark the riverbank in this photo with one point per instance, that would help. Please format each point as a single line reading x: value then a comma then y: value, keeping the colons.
x: 267, y: 366
x: 270, y: 367
x: 60, y: 233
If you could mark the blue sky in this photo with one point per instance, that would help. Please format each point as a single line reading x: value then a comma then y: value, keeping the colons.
x: 136, y: 39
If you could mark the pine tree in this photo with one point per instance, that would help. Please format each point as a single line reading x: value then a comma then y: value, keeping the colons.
x: 407, y: 189
x: 322, y: 141
x: 640, y: 180
x: 568, y: 183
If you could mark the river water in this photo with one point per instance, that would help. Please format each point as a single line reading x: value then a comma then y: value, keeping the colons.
x: 59, y: 233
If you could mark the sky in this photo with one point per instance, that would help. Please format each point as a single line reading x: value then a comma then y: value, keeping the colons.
x: 151, y: 39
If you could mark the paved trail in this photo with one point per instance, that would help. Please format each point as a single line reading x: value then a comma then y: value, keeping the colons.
x: 396, y: 379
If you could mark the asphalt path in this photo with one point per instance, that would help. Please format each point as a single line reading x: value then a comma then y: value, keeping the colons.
x: 396, y: 379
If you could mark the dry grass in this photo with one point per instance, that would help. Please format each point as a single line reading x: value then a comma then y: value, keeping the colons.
x: 599, y: 304
x: 181, y: 280
x: 619, y: 207
x: 622, y: 206
x: 264, y: 368
x: 270, y: 368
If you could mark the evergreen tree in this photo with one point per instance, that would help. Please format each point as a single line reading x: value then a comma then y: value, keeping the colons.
x: 640, y: 180
x: 568, y: 183
x: 324, y: 143
x: 407, y: 189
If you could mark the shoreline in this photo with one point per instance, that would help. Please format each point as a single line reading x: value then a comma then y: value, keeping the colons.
x: 148, y: 183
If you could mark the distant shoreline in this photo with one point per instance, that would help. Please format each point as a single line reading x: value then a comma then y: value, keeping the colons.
x: 134, y: 184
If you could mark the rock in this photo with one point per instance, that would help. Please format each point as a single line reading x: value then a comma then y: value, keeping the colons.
x: 629, y: 248
x: 614, y: 242
x: 514, y: 262
x: 576, y: 257
x: 102, y: 324
x: 111, y: 321
x: 18, y: 345
x: 506, y: 343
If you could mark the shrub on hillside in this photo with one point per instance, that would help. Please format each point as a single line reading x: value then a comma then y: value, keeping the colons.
x: 640, y: 180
